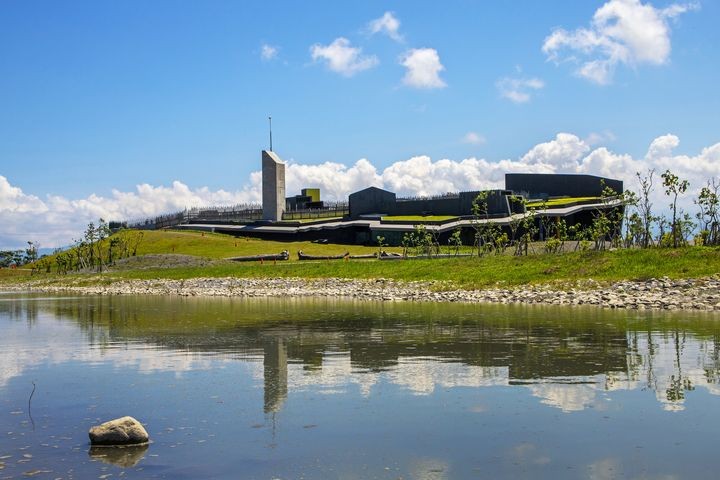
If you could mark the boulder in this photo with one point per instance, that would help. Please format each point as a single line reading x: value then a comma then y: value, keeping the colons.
x: 121, y: 431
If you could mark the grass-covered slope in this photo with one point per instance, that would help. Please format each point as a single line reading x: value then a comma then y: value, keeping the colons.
x: 467, y: 272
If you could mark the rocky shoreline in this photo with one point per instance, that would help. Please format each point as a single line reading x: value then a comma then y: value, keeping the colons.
x: 656, y: 294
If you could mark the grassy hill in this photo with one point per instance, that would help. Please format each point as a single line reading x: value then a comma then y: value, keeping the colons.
x: 206, y: 252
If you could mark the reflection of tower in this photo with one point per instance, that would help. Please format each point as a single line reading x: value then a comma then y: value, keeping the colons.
x: 273, y: 186
x: 275, y: 363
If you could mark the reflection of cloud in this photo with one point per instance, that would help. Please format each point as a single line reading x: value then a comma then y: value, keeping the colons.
x: 675, y: 369
x: 22, y: 351
x: 605, y: 469
x: 528, y: 454
x: 611, y: 468
x: 335, y: 375
x: 567, y: 397
x: 429, y: 469
x: 422, y: 377
x: 669, y: 373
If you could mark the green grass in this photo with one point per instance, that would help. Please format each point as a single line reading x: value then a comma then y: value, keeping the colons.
x: 218, y: 246
x: 465, y: 272
x: 481, y: 272
x: 561, y: 202
x: 419, y: 218
x: 319, y: 220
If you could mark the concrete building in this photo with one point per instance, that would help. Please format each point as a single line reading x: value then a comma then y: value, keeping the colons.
x: 309, y: 198
x: 273, y: 186
x: 376, y: 202
x: 547, y: 185
x: 374, y: 212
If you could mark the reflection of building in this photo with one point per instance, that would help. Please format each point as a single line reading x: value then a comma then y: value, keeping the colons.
x: 275, y: 375
x: 564, y: 361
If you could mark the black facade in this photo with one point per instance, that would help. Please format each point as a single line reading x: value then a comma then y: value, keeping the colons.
x: 544, y: 185
x: 375, y: 200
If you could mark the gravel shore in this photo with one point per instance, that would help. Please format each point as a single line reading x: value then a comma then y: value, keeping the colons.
x: 657, y: 294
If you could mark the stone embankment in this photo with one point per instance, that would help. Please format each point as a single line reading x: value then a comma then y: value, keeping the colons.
x: 660, y: 294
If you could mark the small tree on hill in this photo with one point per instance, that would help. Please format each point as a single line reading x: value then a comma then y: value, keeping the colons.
x: 709, y: 215
x: 645, y: 207
x: 674, y: 187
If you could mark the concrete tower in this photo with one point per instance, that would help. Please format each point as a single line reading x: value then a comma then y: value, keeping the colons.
x: 273, y: 186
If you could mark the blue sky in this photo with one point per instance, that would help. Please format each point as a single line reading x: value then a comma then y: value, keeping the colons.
x: 100, y: 97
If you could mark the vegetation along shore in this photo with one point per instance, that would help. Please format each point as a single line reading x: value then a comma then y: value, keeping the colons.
x: 626, y: 258
x: 194, y: 263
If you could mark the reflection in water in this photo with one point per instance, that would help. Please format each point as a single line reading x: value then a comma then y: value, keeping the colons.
x: 119, y: 456
x: 565, y: 357
x: 336, y: 389
x: 275, y: 375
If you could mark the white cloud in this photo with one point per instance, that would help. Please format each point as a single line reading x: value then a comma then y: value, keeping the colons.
x: 335, y: 180
x: 473, y: 138
x: 54, y: 220
x: 343, y: 58
x: 595, y: 138
x: 621, y: 32
x: 566, y: 397
x: 268, y: 52
x: 423, y: 68
x: 562, y: 153
x: 12, y: 199
x: 388, y: 24
x: 518, y: 90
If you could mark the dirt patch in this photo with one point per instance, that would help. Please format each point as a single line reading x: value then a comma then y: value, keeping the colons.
x: 170, y: 260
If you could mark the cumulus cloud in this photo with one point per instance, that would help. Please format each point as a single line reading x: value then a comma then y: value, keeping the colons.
x: 335, y: 180
x: 423, y: 68
x: 595, y: 138
x: 473, y: 138
x: 625, y: 32
x: 518, y: 90
x: 55, y: 220
x: 268, y: 52
x: 388, y: 24
x: 341, y: 57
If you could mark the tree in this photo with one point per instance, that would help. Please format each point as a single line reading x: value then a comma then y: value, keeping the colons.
x: 487, y: 235
x: 381, y: 243
x: 674, y: 187
x: 31, y: 253
x: 645, y: 207
x: 10, y: 258
x: 709, y: 214
x: 455, y: 241
x: 419, y: 239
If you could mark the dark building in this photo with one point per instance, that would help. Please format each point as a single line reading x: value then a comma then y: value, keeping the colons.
x: 374, y: 201
x: 545, y: 185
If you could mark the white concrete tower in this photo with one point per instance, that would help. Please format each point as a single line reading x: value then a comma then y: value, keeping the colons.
x: 273, y: 186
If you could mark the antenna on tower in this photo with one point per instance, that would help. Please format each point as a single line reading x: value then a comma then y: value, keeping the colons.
x: 270, y: 120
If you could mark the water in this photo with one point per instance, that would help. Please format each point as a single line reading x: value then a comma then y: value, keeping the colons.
x: 289, y: 389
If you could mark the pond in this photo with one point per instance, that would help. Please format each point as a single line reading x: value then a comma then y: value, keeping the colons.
x: 326, y: 389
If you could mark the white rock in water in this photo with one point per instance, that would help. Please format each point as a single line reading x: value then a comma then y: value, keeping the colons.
x: 121, y: 431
